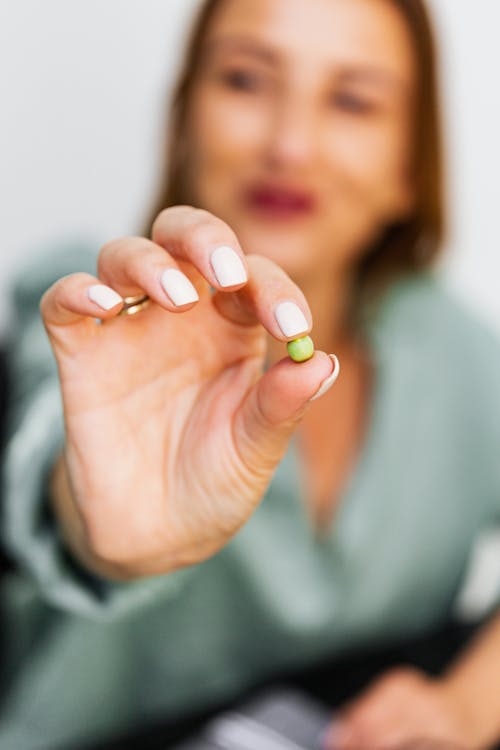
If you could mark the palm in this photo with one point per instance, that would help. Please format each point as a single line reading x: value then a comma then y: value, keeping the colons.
x: 172, y: 429
x: 149, y: 404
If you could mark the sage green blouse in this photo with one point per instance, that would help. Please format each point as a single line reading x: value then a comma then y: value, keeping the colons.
x: 88, y: 658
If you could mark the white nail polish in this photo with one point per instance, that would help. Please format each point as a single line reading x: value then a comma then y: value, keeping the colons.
x: 178, y: 287
x: 330, y: 380
x: 291, y: 319
x: 103, y: 296
x: 227, y: 266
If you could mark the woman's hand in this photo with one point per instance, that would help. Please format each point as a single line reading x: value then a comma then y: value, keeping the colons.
x: 403, y: 707
x: 172, y: 430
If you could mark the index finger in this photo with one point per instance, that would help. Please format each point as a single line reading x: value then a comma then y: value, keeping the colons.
x: 208, y: 243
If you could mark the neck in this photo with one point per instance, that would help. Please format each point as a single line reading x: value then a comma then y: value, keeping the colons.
x: 328, y: 297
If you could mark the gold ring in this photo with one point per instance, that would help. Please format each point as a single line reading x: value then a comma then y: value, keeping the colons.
x: 133, y: 305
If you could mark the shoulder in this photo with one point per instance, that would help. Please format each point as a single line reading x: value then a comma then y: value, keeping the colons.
x: 440, y: 363
x: 421, y: 316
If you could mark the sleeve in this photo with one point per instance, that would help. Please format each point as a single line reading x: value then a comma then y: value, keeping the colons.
x: 479, y: 593
x: 34, y: 439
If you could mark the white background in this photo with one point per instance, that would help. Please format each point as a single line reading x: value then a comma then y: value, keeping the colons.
x: 83, y: 87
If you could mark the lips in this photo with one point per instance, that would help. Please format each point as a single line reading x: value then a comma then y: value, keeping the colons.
x: 279, y: 201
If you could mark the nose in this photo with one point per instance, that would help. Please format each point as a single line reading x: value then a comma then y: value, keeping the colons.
x: 293, y: 137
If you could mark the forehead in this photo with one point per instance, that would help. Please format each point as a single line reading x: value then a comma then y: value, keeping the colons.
x: 329, y: 32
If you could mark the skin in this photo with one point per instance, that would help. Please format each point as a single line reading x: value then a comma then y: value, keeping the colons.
x: 316, y: 96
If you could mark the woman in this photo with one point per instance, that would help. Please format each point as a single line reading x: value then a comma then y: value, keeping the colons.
x: 307, y: 135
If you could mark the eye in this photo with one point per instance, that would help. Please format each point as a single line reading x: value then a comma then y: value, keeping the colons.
x: 352, y: 103
x: 240, y: 79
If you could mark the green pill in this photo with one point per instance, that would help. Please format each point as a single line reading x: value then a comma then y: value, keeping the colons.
x: 301, y: 349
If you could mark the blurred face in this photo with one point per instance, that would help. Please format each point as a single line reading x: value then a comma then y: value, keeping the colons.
x: 300, y: 127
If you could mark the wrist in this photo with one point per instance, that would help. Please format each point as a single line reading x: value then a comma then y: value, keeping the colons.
x: 72, y: 528
x: 80, y: 546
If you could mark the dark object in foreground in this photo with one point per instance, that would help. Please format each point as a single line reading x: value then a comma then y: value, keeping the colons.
x: 329, y: 683
x: 280, y: 719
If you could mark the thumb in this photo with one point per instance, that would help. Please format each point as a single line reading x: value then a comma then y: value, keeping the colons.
x: 276, y: 404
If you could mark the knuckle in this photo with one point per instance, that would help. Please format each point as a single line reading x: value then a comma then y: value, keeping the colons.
x: 126, y: 255
x: 267, y: 267
x: 213, y: 223
x: 208, y: 229
x: 118, y: 244
x: 138, y: 251
x: 119, y: 247
x: 195, y: 227
x: 107, y: 255
x: 59, y: 292
x: 169, y: 215
x: 197, y: 235
x: 201, y: 215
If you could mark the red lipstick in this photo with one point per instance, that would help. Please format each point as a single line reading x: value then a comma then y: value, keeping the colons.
x: 279, y: 202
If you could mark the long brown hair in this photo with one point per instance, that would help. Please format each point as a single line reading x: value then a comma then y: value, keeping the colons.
x: 410, y: 245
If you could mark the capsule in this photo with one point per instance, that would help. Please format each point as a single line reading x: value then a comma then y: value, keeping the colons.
x: 300, y: 350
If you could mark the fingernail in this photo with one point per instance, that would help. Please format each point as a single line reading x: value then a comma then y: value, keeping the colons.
x: 330, y: 380
x: 103, y: 296
x: 227, y: 266
x: 178, y: 287
x: 291, y: 319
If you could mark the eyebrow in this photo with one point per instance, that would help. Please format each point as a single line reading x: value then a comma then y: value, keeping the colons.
x: 371, y: 74
x: 346, y: 71
x: 241, y: 44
